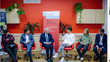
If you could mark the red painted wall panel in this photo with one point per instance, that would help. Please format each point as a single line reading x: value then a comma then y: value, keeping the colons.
x: 33, y: 13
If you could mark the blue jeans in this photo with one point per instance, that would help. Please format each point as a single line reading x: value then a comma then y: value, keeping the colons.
x: 104, y: 50
x: 28, y: 46
x: 85, y: 47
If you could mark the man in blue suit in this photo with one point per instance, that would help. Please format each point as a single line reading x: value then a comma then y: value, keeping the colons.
x: 27, y: 40
x: 47, y: 40
x: 100, y: 44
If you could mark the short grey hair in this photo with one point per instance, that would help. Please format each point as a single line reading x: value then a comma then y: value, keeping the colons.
x: 46, y: 28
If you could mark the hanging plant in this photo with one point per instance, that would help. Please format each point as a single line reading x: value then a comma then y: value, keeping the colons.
x: 20, y: 11
x: 78, y: 9
x: 15, y: 5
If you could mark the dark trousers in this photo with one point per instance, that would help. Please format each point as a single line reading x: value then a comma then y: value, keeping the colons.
x: 104, y: 50
x: 28, y: 46
x: 47, y: 47
x: 12, y: 53
x: 84, y: 50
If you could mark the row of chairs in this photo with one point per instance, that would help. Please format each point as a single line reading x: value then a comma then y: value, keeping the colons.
x: 43, y: 48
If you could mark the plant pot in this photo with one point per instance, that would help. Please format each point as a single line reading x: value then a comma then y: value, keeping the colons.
x: 63, y: 32
x: 33, y: 33
x: 15, y: 5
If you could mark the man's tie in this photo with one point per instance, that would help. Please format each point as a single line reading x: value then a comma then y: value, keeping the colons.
x: 47, y: 38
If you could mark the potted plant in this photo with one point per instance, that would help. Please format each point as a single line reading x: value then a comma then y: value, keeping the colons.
x: 15, y: 5
x: 64, y: 26
x: 78, y: 9
x: 32, y: 26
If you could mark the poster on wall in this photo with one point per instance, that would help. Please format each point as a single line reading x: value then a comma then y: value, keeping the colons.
x: 51, y: 21
x: 3, y: 25
x: 3, y: 22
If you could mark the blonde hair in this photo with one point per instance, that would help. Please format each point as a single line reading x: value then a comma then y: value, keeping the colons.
x: 87, y: 30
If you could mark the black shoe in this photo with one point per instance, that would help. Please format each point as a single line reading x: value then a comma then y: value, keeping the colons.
x: 26, y: 55
x: 100, y: 60
x: 31, y: 60
x: 51, y: 60
x: 14, y: 61
x: 96, y: 58
x: 48, y: 60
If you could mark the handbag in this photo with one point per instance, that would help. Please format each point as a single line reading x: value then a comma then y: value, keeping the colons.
x: 11, y: 45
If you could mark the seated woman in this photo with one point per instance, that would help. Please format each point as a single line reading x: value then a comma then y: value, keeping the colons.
x: 7, y: 41
x: 84, y: 41
x: 69, y: 39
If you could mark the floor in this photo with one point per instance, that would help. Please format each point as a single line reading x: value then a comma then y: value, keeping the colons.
x: 70, y: 52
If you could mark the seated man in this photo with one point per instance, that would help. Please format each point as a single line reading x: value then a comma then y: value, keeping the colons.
x: 27, y: 40
x: 100, y: 44
x: 69, y: 39
x: 47, y: 40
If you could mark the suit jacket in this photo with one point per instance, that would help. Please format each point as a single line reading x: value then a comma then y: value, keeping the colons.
x: 104, y: 40
x: 23, y: 38
x: 6, y: 42
x: 43, y: 39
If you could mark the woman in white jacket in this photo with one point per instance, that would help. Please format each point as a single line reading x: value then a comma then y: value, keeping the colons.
x: 68, y: 40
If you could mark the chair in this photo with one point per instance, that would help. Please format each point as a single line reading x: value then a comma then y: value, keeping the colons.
x: 68, y: 49
x: 6, y: 52
x: 23, y: 48
x: 103, y: 57
x: 43, y: 48
x: 88, y: 56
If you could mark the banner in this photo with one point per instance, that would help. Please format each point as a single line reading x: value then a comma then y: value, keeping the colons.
x: 3, y: 25
x: 51, y: 21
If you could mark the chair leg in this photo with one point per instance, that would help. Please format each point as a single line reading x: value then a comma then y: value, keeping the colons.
x: 88, y: 56
x: 25, y: 56
x: 67, y: 55
x: 41, y: 55
x: 7, y: 58
x: 22, y: 56
x: 34, y: 56
x: 76, y: 57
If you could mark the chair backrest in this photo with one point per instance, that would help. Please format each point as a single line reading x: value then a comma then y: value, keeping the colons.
x: 2, y: 46
x: 17, y: 46
x: 82, y: 47
x: 24, y: 48
x: 44, y: 47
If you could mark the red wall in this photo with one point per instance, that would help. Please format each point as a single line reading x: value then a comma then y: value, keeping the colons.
x: 34, y: 13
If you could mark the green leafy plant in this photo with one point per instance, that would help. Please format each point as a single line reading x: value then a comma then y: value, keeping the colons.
x: 78, y: 9
x: 15, y: 5
x: 9, y: 8
x: 64, y: 26
x: 32, y: 26
x: 20, y: 11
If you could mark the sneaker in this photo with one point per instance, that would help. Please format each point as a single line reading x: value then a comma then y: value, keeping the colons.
x: 62, y: 60
x: 82, y: 59
x: 56, y: 55
x: 78, y: 57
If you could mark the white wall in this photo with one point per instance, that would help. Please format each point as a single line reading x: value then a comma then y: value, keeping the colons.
x: 104, y: 26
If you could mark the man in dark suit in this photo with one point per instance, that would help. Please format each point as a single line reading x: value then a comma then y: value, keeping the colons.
x: 47, y: 40
x: 27, y: 40
x: 100, y: 44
